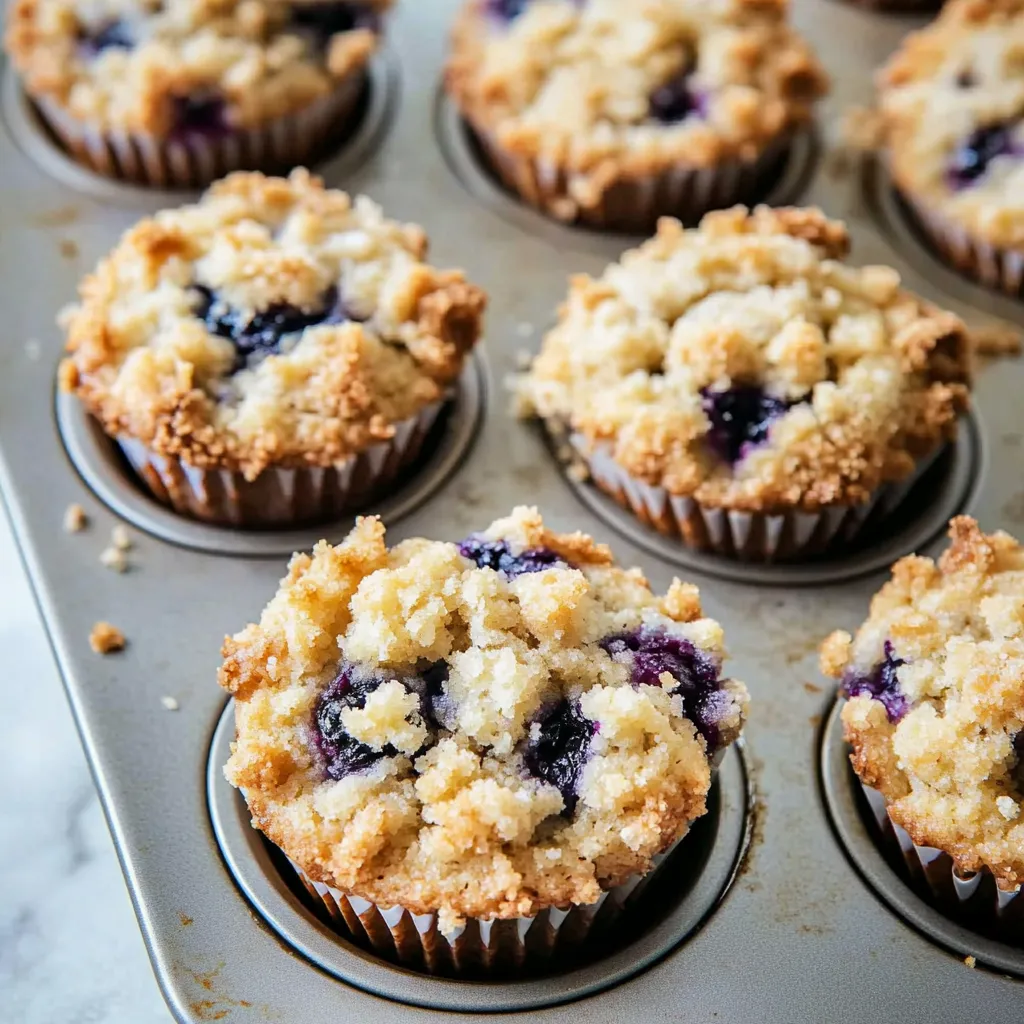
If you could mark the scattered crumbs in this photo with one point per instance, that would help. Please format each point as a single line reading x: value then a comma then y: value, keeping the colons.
x: 75, y: 519
x: 68, y: 249
x: 185, y: 919
x: 33, y: 350
x: 114, y: 559
x: 812, y: 688
x: 105, y: 638
x: 970, y: 961
x: 524, y: 357
x: 169, y: 703
x: 525, y: 329
x: 997, y: 340
x: 121, y: 538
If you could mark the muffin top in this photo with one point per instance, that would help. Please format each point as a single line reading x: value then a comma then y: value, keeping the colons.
x: 746, y: 365
x: 952, y: 105
x: 182, y: 66
x: 935, y: 680
x: 275, y: 321
x: 483, y: 729
x: 622, y: 88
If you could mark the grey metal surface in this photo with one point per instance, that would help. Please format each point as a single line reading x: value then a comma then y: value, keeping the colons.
x: 799, y: 934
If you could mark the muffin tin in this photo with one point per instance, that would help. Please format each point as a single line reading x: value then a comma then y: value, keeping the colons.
x: 782, y: 909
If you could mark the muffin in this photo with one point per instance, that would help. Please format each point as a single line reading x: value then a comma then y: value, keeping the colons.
x: 952, y: 115
x: 613, y: 112
x: 741, y: 387
x: 470, y: 752
x: 935, y: 715
x: 275, y: 354
x: 178, y: 94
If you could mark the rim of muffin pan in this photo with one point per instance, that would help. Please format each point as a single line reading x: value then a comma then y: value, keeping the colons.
x: 679, y: 902
x: 948, y: 487
x: 341, y: 155
x: 884, y: 871
x: 106, y: 472
x: 470, y: 166
x: 899, y: 225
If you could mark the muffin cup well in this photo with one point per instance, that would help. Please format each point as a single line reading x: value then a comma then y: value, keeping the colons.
x: 999, y: 268
x: 479, y: 948
x: 279, y: 496
x: 196, y: 159
x: 975, y: 896
x: 745, y: 536
x: 633, y: 205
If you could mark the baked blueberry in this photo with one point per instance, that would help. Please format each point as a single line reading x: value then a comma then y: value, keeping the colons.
x: 497, y: 555
x: 971, y: 160
x: 558, y: 751
x: 112, y: 34
x: 676, y: 100
x: 506, y: 10
x: 740, y: 418
x: 343, y: 754
x: 199, y: 115
x: 881, y: 684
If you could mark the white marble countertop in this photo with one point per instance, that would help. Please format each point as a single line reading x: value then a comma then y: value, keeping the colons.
x: 70, y: 950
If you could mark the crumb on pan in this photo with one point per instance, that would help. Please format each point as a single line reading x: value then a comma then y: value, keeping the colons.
x: 106, y: 639
x: 75, y: 519
x: 997, y: 340
x: 120, y: 538
x: 114, y: 558
x: 169, y: 703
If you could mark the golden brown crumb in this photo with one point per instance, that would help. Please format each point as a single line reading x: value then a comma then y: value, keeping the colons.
x: 997, y: 340
x: 105, y: 638
x: 970, y: 961
x: 75, y: 519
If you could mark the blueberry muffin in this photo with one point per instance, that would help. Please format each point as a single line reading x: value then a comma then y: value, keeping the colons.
x: 177, y: 94
x: 614, y: 112
x: 742, y: 387
x: 935, y: 709
x: 274, y: 354
x: 952, y: 113
x: 510, y: 727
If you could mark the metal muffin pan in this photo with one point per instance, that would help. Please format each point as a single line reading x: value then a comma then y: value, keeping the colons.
x: 803, y: 923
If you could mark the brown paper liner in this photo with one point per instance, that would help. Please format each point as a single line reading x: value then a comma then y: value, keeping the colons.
x: 633, y: 205
x: 745, y: 536
x: 480, y: 948
x: 1002, y: 269
x: 280, y: 497
x: 974, y: 899
x: 195, y: 160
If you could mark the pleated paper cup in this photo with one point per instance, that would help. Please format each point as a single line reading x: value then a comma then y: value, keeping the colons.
x: 479, y: 948
x: 975, y: 898
x: 280, y: 496
x: 195, y: 159
x: 998, y: 268
x: 633, y: 205
x: 745, y: 536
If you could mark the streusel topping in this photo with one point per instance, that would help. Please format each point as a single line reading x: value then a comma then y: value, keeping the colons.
x: 160, y: 67
x: 613, y: 88
x: 483, y: 729
x: 745, y: 364
x: 274, y: 321
x: 935, y: 678
x: 952, y: 103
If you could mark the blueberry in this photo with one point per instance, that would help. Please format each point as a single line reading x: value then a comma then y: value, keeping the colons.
x: 343, y: 754
x: 111, y: 35
x: 675, y: 100
x: 198, y: 115
x: 971, y: 160
x: 740, y: 418
x: 497, y: 555
x: 559, y: 752
x: 966, y: 79
x: 881, y: 685
x: 329, y: 19
x: 506, y: 10
x: 651, y: 652
x: 262, y: 334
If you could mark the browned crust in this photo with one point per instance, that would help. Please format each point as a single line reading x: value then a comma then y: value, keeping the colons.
x: 791, y: 80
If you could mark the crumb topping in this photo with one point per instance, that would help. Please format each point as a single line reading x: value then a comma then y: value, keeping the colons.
x: 949, y: 763
x: 106, y: 639
x: 139, y: 64
x: 745, y: 364
x: 423, y: 726
x: 952, y: 108
x: 613, y: 89
x: 276, y: 321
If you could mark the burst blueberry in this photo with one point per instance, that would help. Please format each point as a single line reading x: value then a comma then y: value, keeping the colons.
x: 971, y: 160
x: 558, y: 752
x: 650, y: 653
x: 881, y: 684
x: 497, y: 555
x: 676, y: 100
x: 202, y: 115
x: 740, y: 419
x: 506, y: 10
x: 111, y: 35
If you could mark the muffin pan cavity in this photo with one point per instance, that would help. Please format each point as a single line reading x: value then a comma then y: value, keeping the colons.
x: 875, y: 854
x: 340, y: 155
x: 673, y: 906
x: 469, y: 163
x: 105, y: 470
x: 946, y: 488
